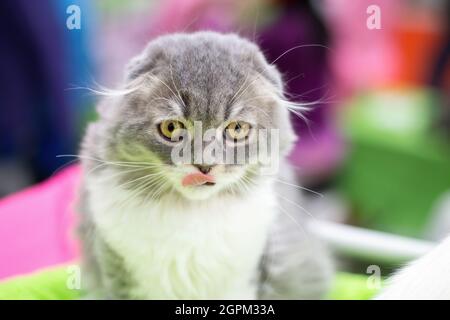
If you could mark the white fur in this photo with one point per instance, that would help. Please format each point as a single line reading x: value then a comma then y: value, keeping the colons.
x: 206, y: 250
x: 425, y: 278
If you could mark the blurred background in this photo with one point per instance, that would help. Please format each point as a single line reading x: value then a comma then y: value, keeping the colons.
x: 376, y: 145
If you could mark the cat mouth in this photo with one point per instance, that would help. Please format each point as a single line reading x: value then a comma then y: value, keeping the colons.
x: 198, y: 179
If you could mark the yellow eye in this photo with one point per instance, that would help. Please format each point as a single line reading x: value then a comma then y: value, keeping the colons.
x: 237, y: 130
x: 168, y: 127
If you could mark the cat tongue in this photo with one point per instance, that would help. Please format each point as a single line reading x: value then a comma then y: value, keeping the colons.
x: 196, y: 179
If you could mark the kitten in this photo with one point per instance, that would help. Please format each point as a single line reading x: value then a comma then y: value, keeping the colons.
x: 426, y: 278
x: 153, y: 228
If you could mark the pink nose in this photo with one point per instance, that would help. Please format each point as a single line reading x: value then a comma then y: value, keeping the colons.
x: 196, y: 179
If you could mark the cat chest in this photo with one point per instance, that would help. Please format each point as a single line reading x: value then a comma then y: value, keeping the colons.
x: 205, y: 252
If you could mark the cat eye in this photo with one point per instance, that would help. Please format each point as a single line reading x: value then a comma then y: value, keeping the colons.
x: 167, y: 128
x: 237, y: 130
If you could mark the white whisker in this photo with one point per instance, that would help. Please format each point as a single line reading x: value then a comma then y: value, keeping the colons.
x: 299, y: 187
x: 299, y: 47
x: 296, y: 204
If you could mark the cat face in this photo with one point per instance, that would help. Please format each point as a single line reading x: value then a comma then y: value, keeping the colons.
x: 195, y: 102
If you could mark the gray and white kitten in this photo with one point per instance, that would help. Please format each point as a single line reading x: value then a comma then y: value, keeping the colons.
x: 149, y: 234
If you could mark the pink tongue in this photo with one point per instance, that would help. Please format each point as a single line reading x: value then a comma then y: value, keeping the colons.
x: 195, y: 179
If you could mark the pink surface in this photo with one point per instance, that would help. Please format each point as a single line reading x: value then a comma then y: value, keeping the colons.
x: 36, y: 225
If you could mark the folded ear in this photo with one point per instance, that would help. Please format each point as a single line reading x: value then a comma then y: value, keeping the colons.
x: 274, y: 76
x: 271, y: 73
x: 268, y: 71
x: 148, y: 61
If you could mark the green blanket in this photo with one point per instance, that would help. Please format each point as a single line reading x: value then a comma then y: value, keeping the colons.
x: 51, y: 284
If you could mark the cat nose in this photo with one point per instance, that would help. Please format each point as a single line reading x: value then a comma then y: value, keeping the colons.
x: 204, y: 169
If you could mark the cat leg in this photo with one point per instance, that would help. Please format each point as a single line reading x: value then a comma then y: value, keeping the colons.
x: 295, y: 265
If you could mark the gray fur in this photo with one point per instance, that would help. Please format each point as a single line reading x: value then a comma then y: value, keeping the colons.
x: 295, y: 265
x: 202, y: 72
